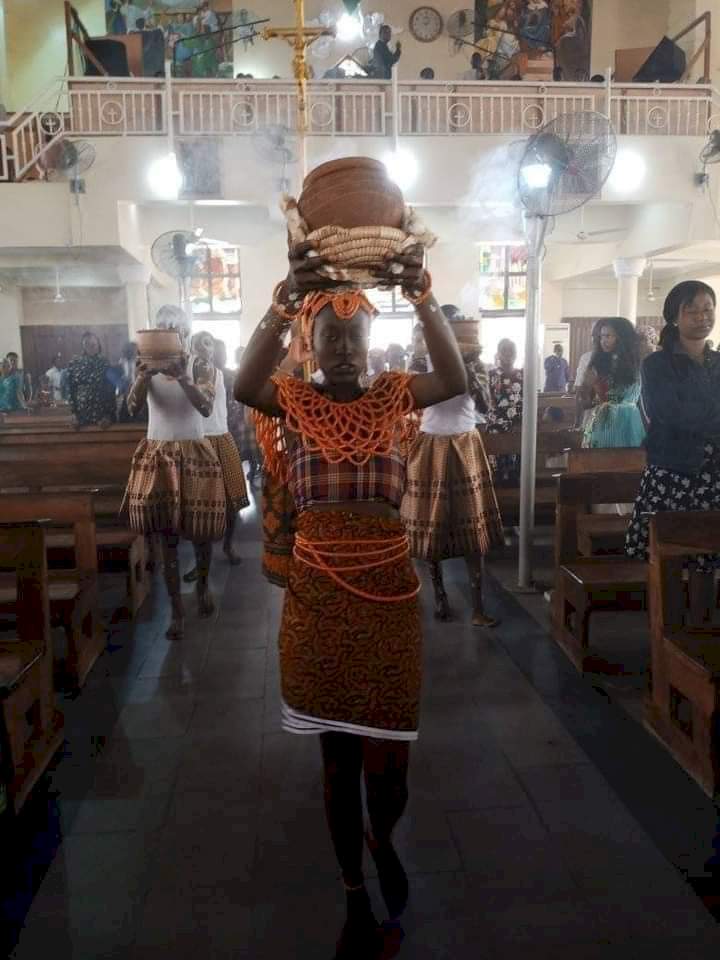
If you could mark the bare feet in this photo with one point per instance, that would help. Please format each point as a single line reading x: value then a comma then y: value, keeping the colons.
x: 206, y: 604
x: 176, y: 630
x: 480, y: 619
x: 442, y: 610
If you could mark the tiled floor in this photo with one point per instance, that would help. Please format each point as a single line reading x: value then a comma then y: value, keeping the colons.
x: 182, y: 822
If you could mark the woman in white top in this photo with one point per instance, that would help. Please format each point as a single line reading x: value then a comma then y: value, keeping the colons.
x: 210, y: 350
x: 176, y: 488
x: 449, y: 508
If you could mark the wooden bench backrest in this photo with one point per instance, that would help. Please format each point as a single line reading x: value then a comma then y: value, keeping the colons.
x: 22, y: 548
x: 549, y: 443
x: 611, y: 460
x: 71, y: 509
x: 91, y: 458
x: 577, y: 493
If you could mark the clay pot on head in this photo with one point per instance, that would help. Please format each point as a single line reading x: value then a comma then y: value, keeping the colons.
x: 352, y: 192
x: 158, y: 345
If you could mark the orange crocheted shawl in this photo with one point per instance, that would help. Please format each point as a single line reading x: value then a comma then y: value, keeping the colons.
x: 378, y: 422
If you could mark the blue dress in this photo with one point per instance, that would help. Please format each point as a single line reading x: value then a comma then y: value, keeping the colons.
x: 616, y: 421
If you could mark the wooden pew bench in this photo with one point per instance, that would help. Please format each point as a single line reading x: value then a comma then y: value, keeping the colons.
x: 553, y: 443
x: 57, y: 461
x: 603, y: 533
x: 586, y: 584
x: 683, y: 707
x: 72, y: 591
x: 31, y: 728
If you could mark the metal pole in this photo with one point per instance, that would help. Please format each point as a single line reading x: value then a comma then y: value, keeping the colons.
x: 535, y: 232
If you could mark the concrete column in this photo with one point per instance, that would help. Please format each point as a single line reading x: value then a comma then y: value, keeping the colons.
x: 628, y: 271
x: 10, y: 320
x: 136, y: 279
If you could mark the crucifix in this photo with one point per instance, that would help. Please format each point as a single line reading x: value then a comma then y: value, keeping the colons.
x: 299, y: 37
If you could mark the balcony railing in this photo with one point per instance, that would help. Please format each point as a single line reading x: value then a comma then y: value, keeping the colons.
x: 120, y: 107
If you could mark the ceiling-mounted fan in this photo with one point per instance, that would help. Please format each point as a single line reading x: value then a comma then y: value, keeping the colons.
x: 59, y: 296
x: 650, y: 295
x: 586, y: 236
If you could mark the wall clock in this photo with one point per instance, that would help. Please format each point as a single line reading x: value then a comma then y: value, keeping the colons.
x: 426, y: 24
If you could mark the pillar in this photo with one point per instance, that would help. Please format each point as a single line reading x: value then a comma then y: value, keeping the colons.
x: 628, y: 271
x: 136, y: 279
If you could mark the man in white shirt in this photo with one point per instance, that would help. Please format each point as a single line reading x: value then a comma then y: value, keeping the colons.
x: 55, y: 375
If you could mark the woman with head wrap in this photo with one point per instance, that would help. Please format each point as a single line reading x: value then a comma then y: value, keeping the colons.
x: 350, y: 658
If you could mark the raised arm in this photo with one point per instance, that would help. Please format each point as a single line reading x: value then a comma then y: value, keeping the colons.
x: 448, y: 377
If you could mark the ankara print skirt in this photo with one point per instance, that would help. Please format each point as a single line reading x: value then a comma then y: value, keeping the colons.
x: 347, y: 663
x: 232, y: 471
x: 176, y: 486
x: 662, y: 489
x: 279, y: 518
x: 450, y: 508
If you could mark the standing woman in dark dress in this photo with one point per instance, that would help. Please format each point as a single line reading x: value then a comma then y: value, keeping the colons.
x: 681, y: 404
x: 90, y: 389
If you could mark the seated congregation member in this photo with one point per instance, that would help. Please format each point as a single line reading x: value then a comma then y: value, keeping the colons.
x: 216, y: 431
x: 176, y: 486
x: 681, y: 402
x: 449, y: 508
x: 12, y: 385
x: 350, y: 646
x: 505, y: 413
x: 90, y: 391
x: 611, y: 388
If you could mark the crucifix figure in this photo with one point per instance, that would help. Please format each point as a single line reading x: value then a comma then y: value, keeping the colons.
x: 299, y: 37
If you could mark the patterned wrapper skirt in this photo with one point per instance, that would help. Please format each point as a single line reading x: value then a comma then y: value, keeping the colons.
x: 278, y: 522
x: 662, y: 489
x: 232, y: 471
x: 450, y: 508
x: 350, y: 664
x: 176, y: 486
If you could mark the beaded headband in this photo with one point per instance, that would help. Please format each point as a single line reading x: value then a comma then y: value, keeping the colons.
x: 345, y: 304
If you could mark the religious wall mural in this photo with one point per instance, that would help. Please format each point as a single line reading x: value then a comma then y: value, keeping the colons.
x: 198, y: 35
x: 556, y: 32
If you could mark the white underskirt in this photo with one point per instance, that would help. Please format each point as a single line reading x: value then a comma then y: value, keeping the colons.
x: 295, y: 722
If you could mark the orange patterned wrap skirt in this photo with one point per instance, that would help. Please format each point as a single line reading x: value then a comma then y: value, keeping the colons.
x: 176, y: 486
x: 348, y: 663
x: 232, y: 471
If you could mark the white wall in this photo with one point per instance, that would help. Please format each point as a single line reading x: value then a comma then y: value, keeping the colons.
x: 10, y: 320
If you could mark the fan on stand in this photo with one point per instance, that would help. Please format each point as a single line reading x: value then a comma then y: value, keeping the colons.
x: 70, y: 161
x: 277, y: 144
x: 175, y: 253
x: 460, y: 25
x: 564, y: 165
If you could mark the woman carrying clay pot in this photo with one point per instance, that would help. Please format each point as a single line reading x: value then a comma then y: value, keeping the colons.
x: 176, y: 488
x: 350, y: 654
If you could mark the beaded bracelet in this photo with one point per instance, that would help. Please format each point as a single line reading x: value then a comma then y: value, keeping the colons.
x: 418, y: 300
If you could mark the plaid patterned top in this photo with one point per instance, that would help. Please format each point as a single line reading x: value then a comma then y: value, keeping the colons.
x: 312, y: 479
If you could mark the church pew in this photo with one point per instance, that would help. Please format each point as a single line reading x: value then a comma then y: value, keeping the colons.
x: 553, y: 443
x: 88, y: 458
x: 683, y: 706
x: 73, y: 591
x: 605, y: 532
x: 585, y: 584
x: 31, y: 728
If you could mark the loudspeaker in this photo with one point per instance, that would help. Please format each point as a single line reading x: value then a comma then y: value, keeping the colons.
x: 666, y: 64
